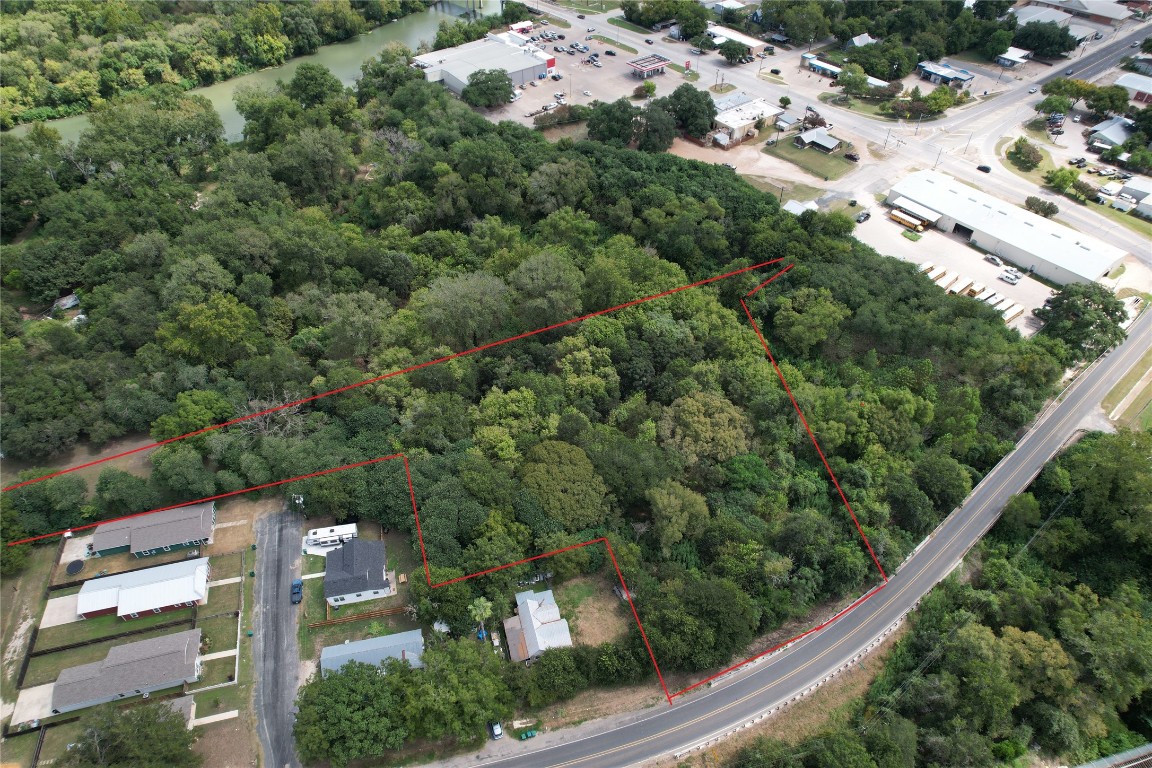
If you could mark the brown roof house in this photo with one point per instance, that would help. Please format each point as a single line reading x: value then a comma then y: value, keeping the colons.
x: 132, y: 669
x: 156, y: 532
x: 537, y: 627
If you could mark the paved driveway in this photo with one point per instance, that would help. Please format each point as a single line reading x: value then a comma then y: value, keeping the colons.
x: 60, y: 610
x: 277, y: 657
x: 33, y: 703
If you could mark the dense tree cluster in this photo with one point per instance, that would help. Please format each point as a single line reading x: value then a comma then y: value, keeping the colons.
x: 64, y: 58
x: 357, y: 233
x: 1049, y: 648
x: 142, y: 736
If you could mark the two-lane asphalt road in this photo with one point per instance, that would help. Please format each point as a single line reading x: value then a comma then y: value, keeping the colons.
x: 697, y: 718
x: 277, y: 659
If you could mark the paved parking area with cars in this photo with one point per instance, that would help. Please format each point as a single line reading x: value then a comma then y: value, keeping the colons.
x: 955, y: 255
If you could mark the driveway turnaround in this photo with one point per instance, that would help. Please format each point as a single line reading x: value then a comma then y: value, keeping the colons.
x: 60, y: 610
x: 277, y: 658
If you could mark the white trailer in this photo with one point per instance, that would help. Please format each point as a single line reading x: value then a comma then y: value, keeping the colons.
x: 331, y: 536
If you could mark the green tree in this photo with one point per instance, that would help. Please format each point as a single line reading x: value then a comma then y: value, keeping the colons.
x: 1061, y: 179
x: 1108, y: 100
x: 657, y: 128
x: 314, y: 164
x: 785, y: 102
x: 352, y: 713
x: 705, y: 426
x: 488, y: 88
x: 312, y: 84
x: 1041, y: 207
x: 853, y: 80
x: 733, y: 50
x: 464, y: 311
x: 944, y: 479
x: 1045, y: 39
x: 693, y: 109
x: 1054, y: 104
x: 808, y: 317
x: 480, y: 610
x: 998, y: 42
x: 676, y: 511
x: 1024, y: 155
x: 805, y: 23
x: 614, y: 122
x: 1086, y: 317
x: 216, y: 332
x: 458, y: 692
x: 564, y: 483
x: 195, y: 410
x: 1084, y: 188
x: 147, y: 735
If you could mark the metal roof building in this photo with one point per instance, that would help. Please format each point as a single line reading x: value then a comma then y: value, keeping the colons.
x: 150, y: 590
x: 751, y: 43
x: 1031, y: 242
x: 131, y: 669
x: 453, y: 66
x: 537, y: 627
x: 403, y: 645
x: 155, y: 532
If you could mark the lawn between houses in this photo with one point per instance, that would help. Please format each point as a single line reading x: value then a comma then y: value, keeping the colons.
x: 811, y: 160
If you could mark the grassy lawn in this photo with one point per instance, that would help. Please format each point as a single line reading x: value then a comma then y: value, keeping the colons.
x: 104, y: 627
x: 18, y: 749
x: 614, y: 44
x: 312, y: 609
x: 1134, y: 223
x: 225, y: 566
x: 219, y: 633
x: 1125, y: 385
x: 688, y: 74
x: 913, y: 236
x: 222, y: 599
x: 56, y: 741
x: 859, y: 106
x: 45, y: 669
x: 725, y: 88
x: 570, y: 596
x: 620, y: 21
x: 834, y: 55
x: 1139, y: 414
x: 1036, y: 175
x: 556, y: 21
x: 221, y: 700
x: 313, y: 564
x: 216, y: 671
x: 814, y: 162
x: 1035, y: 130
x: 109, y: 564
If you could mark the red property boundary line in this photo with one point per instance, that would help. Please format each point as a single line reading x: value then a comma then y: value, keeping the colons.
x: 409, y: 369
x: 412, y: 493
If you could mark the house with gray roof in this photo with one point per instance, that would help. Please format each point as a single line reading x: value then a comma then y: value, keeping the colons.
x: 818, y: 138
x: 1112, y: 132
x: 356, y: 572
x: 132, y: 669
x: 407, y: 646
x: 1139, y: 187
x: 861, y: 40
x: 171, y: 587
x: 536, y: 627
x: 155, y: 532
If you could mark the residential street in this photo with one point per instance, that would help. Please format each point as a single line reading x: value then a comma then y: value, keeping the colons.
x: 276, y: 655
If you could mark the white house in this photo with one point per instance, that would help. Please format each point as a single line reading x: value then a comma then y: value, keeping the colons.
x: 536, y: 627
x: 164, y: 588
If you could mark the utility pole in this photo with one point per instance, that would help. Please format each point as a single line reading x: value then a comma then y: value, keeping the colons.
x: 886, y: 138
x: 938, y: 154
x: 918, y: 124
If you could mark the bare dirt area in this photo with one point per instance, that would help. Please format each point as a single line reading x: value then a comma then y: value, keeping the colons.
x: 602, y: 702
x: 830, y: 704
x: 137, y: 464
x: 229, y: 743
x: 597, y: 617
x: 234, y: 523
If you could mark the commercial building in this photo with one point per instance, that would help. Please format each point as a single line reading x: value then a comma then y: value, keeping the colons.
x: 407, y: 646
x: 1111, y: 133
x: 1031, y: 13
x: 649, y: 65
x: 1139, y: 87
x: 1013, y: 57
x: 536, y: 627
x: 1098, y: 11
x: 511, y: 52
x: 171, y: 587
x: 721, y: 34
x: 132, y: 669
x: 1138, y: 187
x: 739, y: 122
x: 156, y: 532
x: 941, y: 72
x: 1031, y: 242
x: 356, y: 572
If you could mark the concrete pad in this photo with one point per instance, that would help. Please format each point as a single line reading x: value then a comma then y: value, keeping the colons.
x: 75, y: 548
x: 60, y: 610
x: 313, y: 576
x: 219, y: 655
x: 222, y: 582
x: 33, y: 704
x: 216, y: 718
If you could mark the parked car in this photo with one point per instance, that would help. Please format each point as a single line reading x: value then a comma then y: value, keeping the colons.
x: 596, y: 63
x: 730, y: 165
x: 1057, y: 131
x: 1033, y: 90
x: 1076, y: 161
x: 984, y: 168
x: 1009, y: 278
x: 863, y: 217
x: 609, y: 53
x: 695, y: 51
x: 559, y: 37
x: 852, y: 156
x: 995, y: 260
x: 774, y: 71
x: 1076, y: 118
x: 496, y: 730
x: 297, y: 592
x: 579, y: 15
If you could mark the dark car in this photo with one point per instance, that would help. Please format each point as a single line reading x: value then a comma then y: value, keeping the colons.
x: 648, y: 40
x: 559, y: 37
x: 1069, y: 71
x: 297, y: 592
x: 984, y: 168
x: 852, y: 156
x: 579, y: 15
x: 863, y: 217
x: 609, y: 53
x: 557, y: 76
x: 774, y: 71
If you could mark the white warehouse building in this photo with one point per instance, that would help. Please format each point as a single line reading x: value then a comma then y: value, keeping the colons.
x: 1053, y: 251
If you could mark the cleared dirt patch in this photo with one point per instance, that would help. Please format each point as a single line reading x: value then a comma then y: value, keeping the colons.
x: 593, y: 612
x: 229, y: 743
x: 603, y: 702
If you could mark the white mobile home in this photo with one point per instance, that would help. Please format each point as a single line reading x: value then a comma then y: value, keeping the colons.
x: 332, y: 536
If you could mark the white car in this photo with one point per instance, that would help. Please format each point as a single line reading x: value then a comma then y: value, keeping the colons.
x: 1009, y: 278
x: 1033, y: 90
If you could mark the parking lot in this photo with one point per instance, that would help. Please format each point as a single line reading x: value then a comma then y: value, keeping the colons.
x: 954, y: 254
